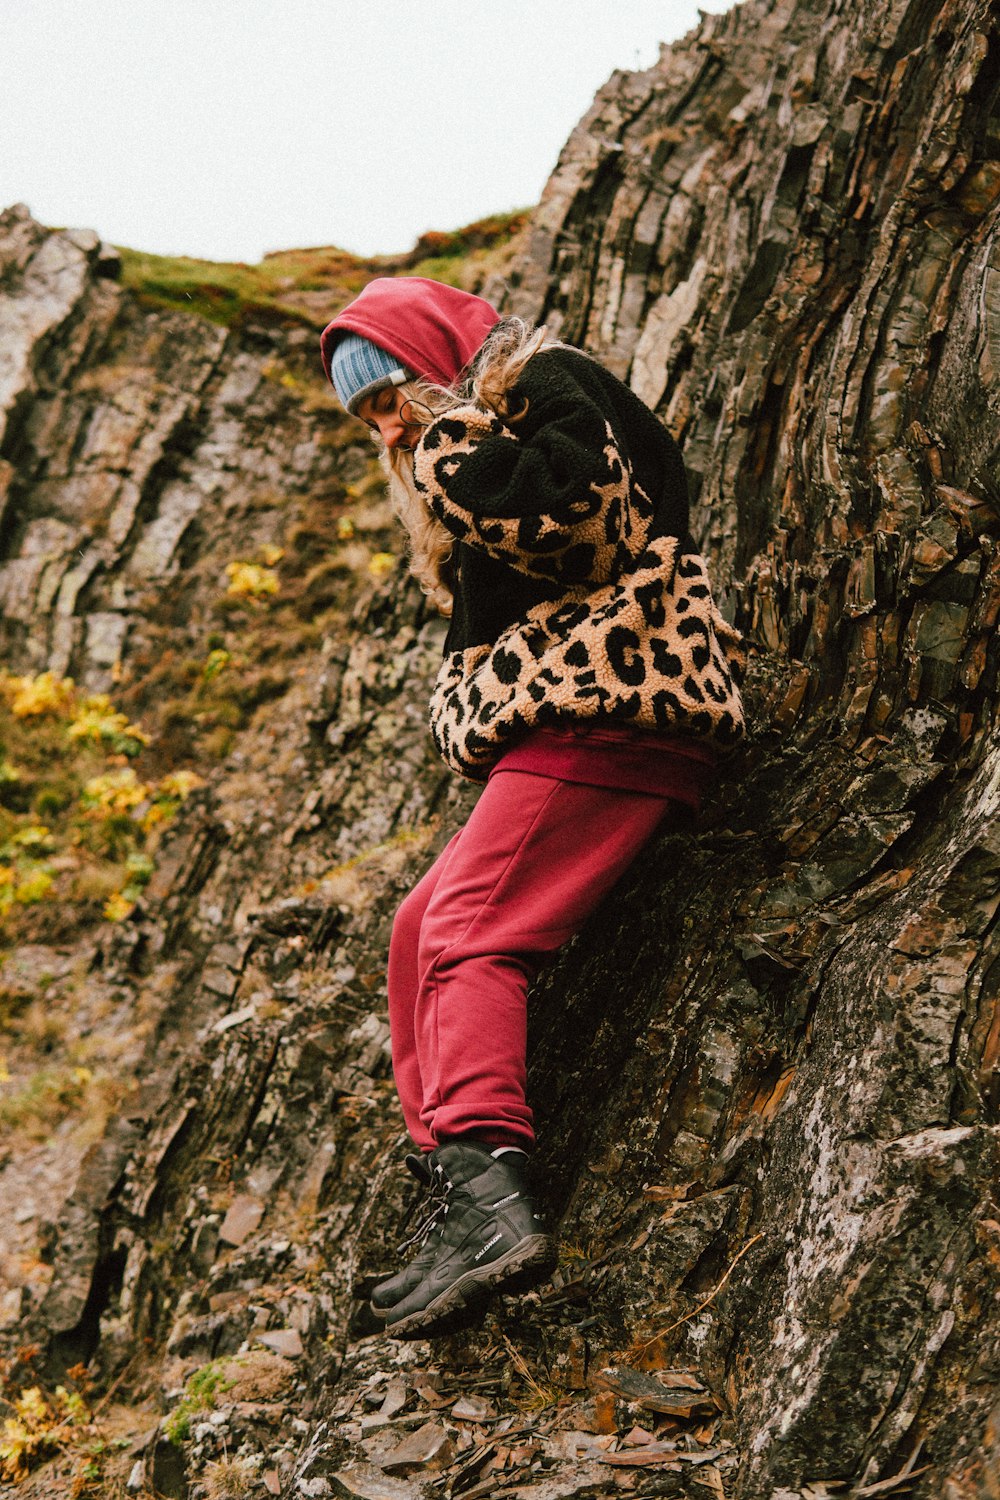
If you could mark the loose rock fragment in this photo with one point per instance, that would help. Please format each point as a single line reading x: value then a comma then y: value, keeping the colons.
x: 395, y: 1399
x: 651, y: 1394
x: 430, y: 1447
x: 244, y: 1214
x: 473, y: 1409
x: 663, y: 1455
x: 286, y: 1341
x: 362, y: 1482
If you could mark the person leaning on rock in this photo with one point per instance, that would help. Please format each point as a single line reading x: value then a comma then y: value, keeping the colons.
x: 588, y: 682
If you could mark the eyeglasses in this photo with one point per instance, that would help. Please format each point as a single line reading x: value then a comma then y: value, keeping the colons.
x: 412, y: 413
x: 415, y: 413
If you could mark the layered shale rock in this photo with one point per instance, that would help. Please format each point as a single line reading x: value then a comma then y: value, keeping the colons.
x: 766, y: 1075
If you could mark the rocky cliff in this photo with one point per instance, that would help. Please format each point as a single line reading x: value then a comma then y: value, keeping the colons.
x: 765, y: 1076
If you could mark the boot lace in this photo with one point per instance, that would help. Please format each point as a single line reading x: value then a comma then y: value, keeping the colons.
x: 434, y: 1205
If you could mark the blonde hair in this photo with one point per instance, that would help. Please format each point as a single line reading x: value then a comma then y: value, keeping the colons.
x: 497, y: 368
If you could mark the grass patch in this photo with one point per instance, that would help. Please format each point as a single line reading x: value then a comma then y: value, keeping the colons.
x: 309, y: 286
x: 233, y: 292
x: 43, y: 1424
x: 76, y: 817
x: 465, y: 257
x: 199, y: 1395
x: 52, y: 1095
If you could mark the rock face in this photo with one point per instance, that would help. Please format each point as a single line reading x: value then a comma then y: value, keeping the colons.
x: 765, y: 1076
x: 134, y: 445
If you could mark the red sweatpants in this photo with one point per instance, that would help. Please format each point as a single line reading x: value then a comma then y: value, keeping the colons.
x: 513, y: 885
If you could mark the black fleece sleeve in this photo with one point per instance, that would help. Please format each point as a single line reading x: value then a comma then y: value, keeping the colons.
x: 549, y: 490
x: 541, y: 463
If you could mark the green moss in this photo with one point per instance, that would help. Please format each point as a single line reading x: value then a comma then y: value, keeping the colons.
x: 81, y: 809
x: 283, y: 287
x: 231, y: 292
x: 200, y: 1392
x: 51, y: 800
x: 48, y: 1097
x: 465, y: 257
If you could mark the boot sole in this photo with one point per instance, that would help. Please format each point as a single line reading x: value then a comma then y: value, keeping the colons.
x: 528, y: 1262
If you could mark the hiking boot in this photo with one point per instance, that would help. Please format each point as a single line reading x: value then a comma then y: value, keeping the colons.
x: 487, y: 1236
x: 387, y: 1293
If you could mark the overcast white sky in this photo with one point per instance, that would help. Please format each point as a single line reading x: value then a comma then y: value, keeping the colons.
x: 224, y: 128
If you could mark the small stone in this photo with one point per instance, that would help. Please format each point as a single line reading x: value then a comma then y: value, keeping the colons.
x: 136, y: 1478
x: 395, y: 1399
x: 575, y: 1445
x: 143, y: 1440
x: 242, y: 1218
x: 650, y: 1394
x: 286, y: 1341
x: 430, y: 1447
x: 223, y: 1301
x: 430, y: 1394
x: 597, y: 1414
x: 362, y: 1482
x: 235, y: 1018
x: 473, y: 1409
x: 11, y: 1305
x: 220, y: 981
x: 662, y: 1454
x: 272, y: 1481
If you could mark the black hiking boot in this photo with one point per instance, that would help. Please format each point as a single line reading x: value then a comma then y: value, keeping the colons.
x: 487, y: 1237
x: 386, y: 1294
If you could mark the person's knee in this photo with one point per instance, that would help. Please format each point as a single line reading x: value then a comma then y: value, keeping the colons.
x: 406, y: 924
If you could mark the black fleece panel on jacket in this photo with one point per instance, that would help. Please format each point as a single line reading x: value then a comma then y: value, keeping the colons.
x: 488, y: 596
x: 568, y: 403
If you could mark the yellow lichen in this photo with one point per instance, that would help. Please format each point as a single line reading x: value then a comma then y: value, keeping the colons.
x: 33, y: 885
x: 215, y: 662
x: 35, y: 836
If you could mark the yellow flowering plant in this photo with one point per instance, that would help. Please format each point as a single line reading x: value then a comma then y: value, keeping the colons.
x: 45, y: 694
x: 97, y: 720
x: 250, y: 580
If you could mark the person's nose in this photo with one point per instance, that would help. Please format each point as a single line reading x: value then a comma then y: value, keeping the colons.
x: 392, y: 429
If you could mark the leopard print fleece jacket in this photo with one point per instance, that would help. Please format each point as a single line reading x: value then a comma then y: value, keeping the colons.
x: 579, y: 593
